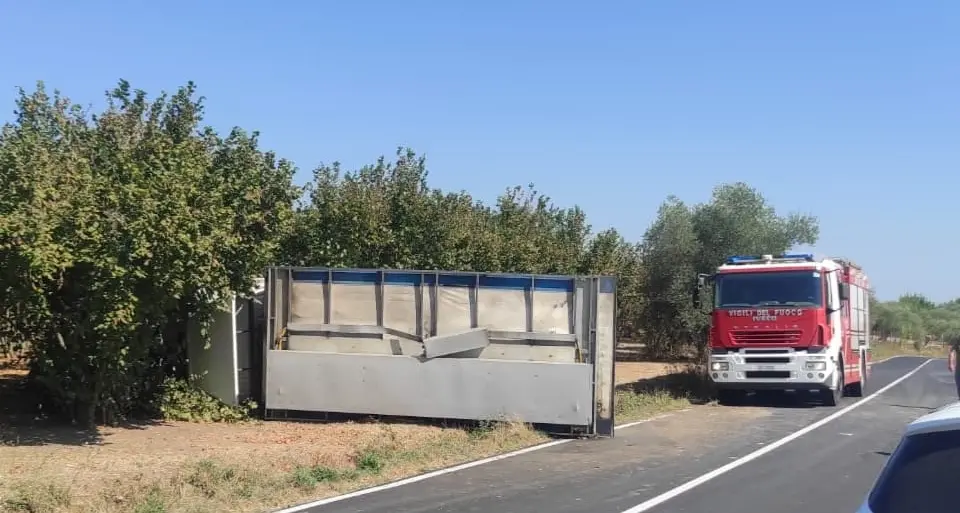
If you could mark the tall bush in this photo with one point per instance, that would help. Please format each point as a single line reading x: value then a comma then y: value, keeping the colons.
x: 118, y: 227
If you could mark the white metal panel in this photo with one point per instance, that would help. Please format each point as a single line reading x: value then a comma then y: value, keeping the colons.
x: 216, y: 363
x: 605, y: 351
x: 455, y: 388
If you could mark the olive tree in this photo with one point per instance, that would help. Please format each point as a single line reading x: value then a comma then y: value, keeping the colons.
x: 117, y: 228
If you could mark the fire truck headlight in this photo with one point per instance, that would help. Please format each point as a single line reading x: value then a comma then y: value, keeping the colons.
x: 720, y: 366
x: 815, y: 366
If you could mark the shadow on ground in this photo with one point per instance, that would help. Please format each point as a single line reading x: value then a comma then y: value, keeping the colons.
x: 785, y: 399
x: 628, y: 351
x: 781, y: 399
x: 692, y: 383
x: 24, y: 422
x: 469, y: 425
x: 689, y: 382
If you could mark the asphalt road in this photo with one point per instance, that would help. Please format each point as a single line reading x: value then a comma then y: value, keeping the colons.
x: 827, y: 469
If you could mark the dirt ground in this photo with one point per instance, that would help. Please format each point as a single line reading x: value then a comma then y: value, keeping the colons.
x: 629, y: 372
x: 118, y: 468
x: 163, y: 448
x: 176, y: 466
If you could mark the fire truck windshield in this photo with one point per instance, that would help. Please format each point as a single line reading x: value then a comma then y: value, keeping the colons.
x: 769, y: 288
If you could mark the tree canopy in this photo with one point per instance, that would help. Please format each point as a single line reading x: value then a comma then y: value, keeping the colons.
x: 118, y: 227
x: 915, y: 318
x: 686, y: 240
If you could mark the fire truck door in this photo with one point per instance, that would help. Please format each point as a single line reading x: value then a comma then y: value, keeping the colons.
x: 833, y: 304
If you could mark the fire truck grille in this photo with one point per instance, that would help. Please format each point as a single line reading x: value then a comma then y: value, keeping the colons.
x: 766, y: 337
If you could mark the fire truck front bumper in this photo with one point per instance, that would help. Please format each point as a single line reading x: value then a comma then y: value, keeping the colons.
x: 781, y: 371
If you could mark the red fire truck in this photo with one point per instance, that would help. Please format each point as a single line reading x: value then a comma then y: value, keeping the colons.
x: 788, y: 322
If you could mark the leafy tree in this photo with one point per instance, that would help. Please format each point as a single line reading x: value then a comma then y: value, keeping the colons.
x: 738, y: 220
x: 913, y: 317
x: 916, y: 302
x: 608, y: 253
x: 671, y: 254
x: 118, y: 227
x: 384, y: 215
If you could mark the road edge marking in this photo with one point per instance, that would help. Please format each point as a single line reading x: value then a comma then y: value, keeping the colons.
x: 420, y: 477
x: 456, y: 468
x: 651, y: 419
x: 904, y: 356
x: 892, y: 357
x: 693, y: 483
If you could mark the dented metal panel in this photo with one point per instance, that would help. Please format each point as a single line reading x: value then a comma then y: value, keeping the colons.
x: 443, y: 345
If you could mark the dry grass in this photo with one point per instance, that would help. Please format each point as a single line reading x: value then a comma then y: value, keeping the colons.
x: 239, y: 467
x: 645, y: 389
x: 882, y: 350
x: 258, y: 466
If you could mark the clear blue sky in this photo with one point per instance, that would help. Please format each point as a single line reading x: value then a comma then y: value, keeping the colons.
x: 847, y: 110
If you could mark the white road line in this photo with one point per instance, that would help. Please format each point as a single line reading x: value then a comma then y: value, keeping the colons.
x: 651, y: 419
x: 689, y: 485
x: 875, y: 362
x: 456, y: 468
x: 888, y: 358
x: 420, y: 477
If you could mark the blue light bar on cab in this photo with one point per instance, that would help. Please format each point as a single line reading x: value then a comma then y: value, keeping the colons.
x: 749, y: 259
x: 741, y: 259
x: 797, y: 256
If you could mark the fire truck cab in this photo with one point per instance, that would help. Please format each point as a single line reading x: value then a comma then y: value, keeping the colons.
x: 788, y: 322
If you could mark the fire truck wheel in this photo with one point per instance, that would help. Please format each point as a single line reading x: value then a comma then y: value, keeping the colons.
x: 856, y: 389
x: 729, y: 397
x: 834, y: 396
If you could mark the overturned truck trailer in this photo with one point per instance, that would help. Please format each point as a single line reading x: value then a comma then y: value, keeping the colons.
x: 452, y: 345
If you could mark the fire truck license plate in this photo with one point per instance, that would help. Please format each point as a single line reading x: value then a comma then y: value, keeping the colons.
x: 766, y: 367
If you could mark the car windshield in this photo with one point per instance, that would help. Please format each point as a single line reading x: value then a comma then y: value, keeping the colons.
x: 921, y: 476
x: 778, y: 288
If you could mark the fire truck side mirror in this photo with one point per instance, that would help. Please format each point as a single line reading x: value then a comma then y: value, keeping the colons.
x: 844, y: 291
x: 701, y: 282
